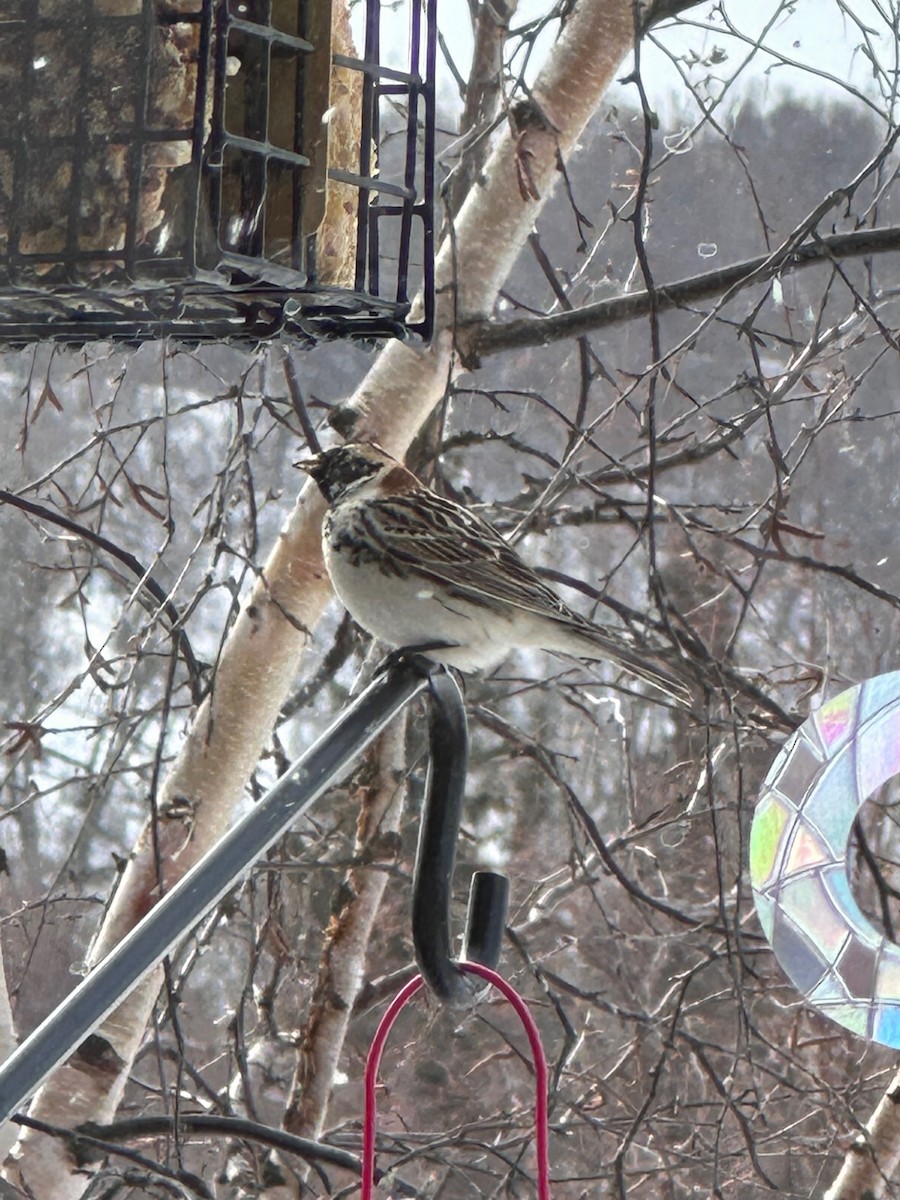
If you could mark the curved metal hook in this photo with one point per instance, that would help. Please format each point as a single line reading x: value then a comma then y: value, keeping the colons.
x: 436, y: 855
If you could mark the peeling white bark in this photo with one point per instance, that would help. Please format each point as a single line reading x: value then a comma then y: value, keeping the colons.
x: 871, y: 1163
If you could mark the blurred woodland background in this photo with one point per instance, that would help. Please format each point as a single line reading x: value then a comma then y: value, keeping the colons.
x: 683, y: 1062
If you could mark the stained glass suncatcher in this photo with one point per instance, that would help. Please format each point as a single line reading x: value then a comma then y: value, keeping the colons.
x: 823, y: 775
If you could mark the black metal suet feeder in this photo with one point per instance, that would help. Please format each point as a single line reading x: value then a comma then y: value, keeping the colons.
x: 214, y: 170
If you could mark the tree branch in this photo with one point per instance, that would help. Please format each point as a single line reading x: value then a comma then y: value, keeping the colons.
x: 480, y: 339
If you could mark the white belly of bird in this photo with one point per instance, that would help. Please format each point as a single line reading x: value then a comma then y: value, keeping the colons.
x: 407, y: 613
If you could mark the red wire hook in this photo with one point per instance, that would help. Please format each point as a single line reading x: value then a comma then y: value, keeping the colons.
x: 373, y: 1061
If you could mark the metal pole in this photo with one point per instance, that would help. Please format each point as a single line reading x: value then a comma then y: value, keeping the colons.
x: 205, y: 884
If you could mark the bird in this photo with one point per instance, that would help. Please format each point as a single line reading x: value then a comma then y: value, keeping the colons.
x: 420, y: 572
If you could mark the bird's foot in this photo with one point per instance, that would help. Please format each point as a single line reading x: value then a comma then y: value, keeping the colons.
x: 413, y: 658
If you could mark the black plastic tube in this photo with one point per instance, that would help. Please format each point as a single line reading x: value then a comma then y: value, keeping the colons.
x: 436, y: 856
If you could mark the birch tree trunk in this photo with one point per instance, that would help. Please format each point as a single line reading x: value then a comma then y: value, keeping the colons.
x: 347, y: 938
x: 260, y: 659
x: 871, y: 1162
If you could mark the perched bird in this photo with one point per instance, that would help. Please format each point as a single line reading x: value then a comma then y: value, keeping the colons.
x: 417, y: 570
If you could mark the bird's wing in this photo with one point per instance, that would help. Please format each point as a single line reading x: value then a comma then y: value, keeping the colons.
x: 444, y: 543
x: 450, y: 545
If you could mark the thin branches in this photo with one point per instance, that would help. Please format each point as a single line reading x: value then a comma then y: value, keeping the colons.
x: 483, y: 340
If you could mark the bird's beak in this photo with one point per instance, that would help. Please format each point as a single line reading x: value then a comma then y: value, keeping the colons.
x: 309, y: 465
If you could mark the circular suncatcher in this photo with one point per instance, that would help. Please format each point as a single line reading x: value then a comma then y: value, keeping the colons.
x: 823, y: 775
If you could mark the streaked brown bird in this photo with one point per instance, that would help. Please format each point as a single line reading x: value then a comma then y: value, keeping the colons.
x: 417, y: 570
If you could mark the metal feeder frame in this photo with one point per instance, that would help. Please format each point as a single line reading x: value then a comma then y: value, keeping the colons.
x: 217, y: 282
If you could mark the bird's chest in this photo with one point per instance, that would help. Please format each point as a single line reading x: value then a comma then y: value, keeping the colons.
x: 402, y: 605
x: 365, y: 575
x: 352, y: 542
x: 377, y: 591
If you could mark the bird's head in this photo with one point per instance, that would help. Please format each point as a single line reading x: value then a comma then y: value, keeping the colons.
x: 346, y: 468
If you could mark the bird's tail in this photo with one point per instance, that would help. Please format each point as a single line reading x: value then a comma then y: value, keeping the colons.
x: 595, y: 644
